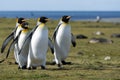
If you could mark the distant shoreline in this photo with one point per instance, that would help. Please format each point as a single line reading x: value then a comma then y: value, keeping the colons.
x: 111, y: 19
x: 76, y: 15
x: 115, y: 20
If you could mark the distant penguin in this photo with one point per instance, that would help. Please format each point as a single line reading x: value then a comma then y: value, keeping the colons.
x: 62, y: 40
x: 38, y: 46
x: 22, y: 58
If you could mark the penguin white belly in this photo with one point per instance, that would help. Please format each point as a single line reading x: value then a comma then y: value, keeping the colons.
x: 22, y: 58
x: 38, y: 48
x: 62, y: 42
x: 15, y: 47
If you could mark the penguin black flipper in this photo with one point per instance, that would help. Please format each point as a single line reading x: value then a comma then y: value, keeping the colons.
x: 11, y: 46
x: 27, y: 40
x: 50, y: 44
x: 15, y: 41
x: 33, y: 30
x: 73, y: 40
x: 55, y: 32
x: 7, y: 40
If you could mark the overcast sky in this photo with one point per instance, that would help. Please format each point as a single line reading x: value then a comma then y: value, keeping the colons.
x: 60, y: 5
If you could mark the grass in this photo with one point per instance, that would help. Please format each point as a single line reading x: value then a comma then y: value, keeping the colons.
x: 87, y: 59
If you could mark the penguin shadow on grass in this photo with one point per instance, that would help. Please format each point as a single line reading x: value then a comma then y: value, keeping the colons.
x: 58, y: 68
x: 55, y: 69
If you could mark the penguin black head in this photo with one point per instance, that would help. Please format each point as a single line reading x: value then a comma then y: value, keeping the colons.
x: 43, y: 19
x: 25, y: 25
x: 66, y: 18
x: 21, y: 20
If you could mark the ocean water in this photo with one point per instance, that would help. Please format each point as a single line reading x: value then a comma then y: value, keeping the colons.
x: 76, y: 15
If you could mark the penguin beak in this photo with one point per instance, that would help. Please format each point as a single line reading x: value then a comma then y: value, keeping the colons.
x: 47, y: 19
x: 23, y: 20
x: 68, y: 17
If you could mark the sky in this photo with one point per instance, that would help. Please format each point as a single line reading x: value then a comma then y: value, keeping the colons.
x: 60, y: 5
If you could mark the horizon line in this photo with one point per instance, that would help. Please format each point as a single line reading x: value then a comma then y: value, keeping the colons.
x: 66, y: 10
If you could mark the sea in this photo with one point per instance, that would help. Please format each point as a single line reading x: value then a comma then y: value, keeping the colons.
x: 76, y: 15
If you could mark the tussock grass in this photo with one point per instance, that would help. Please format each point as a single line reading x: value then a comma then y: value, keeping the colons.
x: 87, y: 59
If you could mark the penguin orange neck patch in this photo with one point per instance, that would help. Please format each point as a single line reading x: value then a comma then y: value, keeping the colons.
x: 64, y: 24
x: 42, y: 25
x: 19, y: 26
x: 25, y: 30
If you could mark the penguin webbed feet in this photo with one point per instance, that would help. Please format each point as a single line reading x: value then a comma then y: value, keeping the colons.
x: 34, y: 68
x: 60, y: 66
x: 23, y: 67
x: 66, y: 63
x: 43, y: 67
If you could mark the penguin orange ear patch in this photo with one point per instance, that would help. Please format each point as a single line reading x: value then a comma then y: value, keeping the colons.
x: 16, y: 19
x: 38, y: 19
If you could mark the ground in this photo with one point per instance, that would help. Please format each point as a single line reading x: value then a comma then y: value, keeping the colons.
x: 87, y: 59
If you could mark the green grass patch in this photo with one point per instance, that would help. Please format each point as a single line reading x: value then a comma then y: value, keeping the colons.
x: 87, y: 59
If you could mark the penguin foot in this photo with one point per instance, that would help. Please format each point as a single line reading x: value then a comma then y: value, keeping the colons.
x: 43, y: 67
x: 29, y: 68
x: 59, y: 65
x: 65, y: 63
x: 24, y: 67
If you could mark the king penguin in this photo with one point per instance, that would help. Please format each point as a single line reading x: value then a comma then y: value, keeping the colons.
x: 12, y: 36
x: 22, y: 58
x: 19, y: 41
x: 38, y: 46
x: 62, y: 39
x: 18, y: 29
